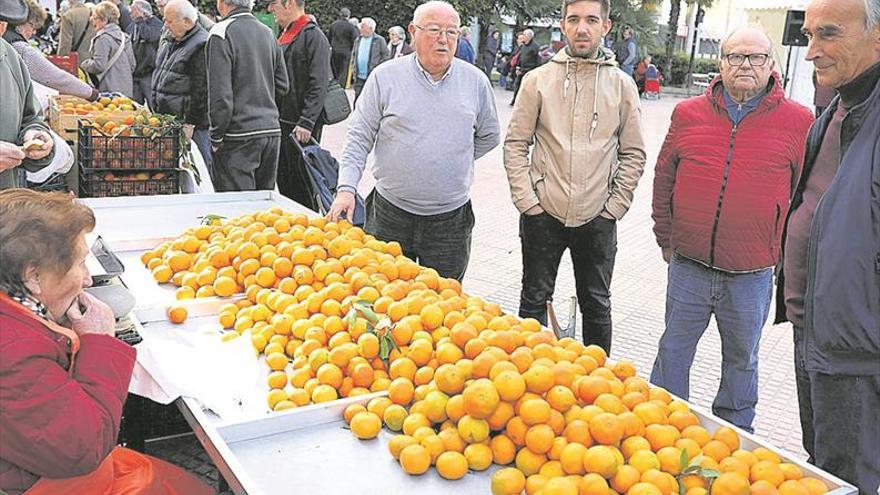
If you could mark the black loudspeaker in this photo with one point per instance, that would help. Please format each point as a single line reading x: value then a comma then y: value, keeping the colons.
x: 792, y: 36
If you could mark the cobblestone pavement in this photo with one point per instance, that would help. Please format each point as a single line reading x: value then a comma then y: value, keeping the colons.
x: 638, y: 291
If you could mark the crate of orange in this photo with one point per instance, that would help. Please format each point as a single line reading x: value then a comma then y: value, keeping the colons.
x: 64, y: 112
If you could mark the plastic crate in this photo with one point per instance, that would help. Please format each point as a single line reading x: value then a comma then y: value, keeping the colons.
x: 97, y: 151
x: 99, y: 184
x: 68, y: 63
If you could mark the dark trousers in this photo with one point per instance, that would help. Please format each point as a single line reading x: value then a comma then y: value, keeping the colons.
x: 358, y: 87
x: 593, y: 247
x: 840, y: 422
x: 246, y: 165
x: 293, y: 179
x: 141, y: 88
x: 441, y: 242
x: 339, y: 62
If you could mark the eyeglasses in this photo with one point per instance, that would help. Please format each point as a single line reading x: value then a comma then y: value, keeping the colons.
x: 434, y: 31
x: 755, y: 59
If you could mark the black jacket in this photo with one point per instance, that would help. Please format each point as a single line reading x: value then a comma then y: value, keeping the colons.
x: 308, y: 69
x: 179, y: 85
x: 246, y: 76
x: 145, y: 34
x: 342, y: 35
x: 528, y: 56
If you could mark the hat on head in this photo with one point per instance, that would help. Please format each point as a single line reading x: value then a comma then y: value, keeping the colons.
x: 13, y: 11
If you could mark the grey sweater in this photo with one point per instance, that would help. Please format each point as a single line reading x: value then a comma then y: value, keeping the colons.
x: 426, y: 135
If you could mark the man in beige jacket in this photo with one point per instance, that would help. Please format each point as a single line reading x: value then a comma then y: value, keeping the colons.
x: 582, y: 114
x: 76, y: 31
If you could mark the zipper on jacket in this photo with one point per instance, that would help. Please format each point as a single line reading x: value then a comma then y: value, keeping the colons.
x: 721, y: 197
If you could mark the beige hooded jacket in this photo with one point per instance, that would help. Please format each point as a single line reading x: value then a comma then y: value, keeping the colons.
x: 583, y: 118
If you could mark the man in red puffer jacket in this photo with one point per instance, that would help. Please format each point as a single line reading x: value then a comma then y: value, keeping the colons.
x: 722, y: 186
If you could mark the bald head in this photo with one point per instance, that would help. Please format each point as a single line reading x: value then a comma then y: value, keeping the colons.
x: 432, y: 8
x: 747, y: 35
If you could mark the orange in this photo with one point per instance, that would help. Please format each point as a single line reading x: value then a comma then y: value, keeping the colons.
x: 480, y: 399
x: 572, y: 458
x: 330, y: 374
x: 539, y: 379
x: 667, y: 483
x: 414, y: 421
x: 730, y: 484
x: 177, y: 314
x: 529, y: 462
x: 727, y: 435
x: 814, y: 485
x: 479, y: 456
x: 631, y: 445
x: 535, y: 411
x: 510, y: 385
x: 277, y: 379
x: 763, y: 487
x: 697, y: 434
x: 393, y: 417
x: 415, y: 459
x: 561, y: 398
x: 765, y: 454
x: 683, y: 419
x: 593, y: 484
x: 498, y: 420
x: 663, y: 436
x: 401, y: 391
x: 644, y: 460
x: 560, y: 486
x: 650, y: 413
x: 578, y: 431
x: 365, y: 425
x: 791, y: 471
x: 452, y: 465
x: 473, y: 430
x: 449, y: 379
x: 644, y: 489
x: 539, y: 438
x: 606, y: 429
x: 591, y: 387
x: 768, y: 471
x: 508, y: 481
x: 352, y: 410
x: 733, y: 465
x: 601, y: 460
x: 625, y: 478
x: 516, y: 430
x: 503, y: 449
x: 452, y: 441
x: 670, y: 460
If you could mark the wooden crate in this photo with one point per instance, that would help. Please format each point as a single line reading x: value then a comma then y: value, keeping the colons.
x: 65, y: 124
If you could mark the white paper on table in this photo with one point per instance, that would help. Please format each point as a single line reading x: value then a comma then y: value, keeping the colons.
x: 225, y: 377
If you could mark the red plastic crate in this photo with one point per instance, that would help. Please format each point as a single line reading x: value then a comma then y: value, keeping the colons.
x: 69, y: 63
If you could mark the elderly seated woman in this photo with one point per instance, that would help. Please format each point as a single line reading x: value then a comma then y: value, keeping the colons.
x: 41, y: 70
x: 112, y: 63
x: 65, y: 376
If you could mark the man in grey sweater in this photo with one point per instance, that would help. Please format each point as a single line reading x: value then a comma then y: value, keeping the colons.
x: 429, y: 117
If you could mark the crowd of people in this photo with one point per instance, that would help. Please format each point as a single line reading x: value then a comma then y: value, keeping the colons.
x: 746, y: 185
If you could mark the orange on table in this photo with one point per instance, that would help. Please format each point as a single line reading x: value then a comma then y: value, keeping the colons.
x: 177, y: 314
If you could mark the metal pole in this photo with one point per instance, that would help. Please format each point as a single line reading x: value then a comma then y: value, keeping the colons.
x: 690, y: 72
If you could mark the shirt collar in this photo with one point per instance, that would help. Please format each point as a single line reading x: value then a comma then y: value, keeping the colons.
x: 428, y: 74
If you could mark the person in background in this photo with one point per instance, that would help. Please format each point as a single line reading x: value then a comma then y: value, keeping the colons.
x: 626, y: 51
x: 112, y: 63
x: 21, y: 119
x: 65, y: 375
x: 370, y: 50
x: 246, y: 76
x: 124, y: 14
x: 503, y: 68
x: 307, y: 56
x: 490, y: 51
x: 145, y: 30
x: 722, y: 185
x: 465, y: 50
x: 342, y: 35
x: 639, y: 73
x: 397, y: 45
x: 179, y: 85
x: 39, y: 67
x: 526, y: 60
x: 588, y: 156
x: 829, y: 285
x: 429, y: 116
x: 76, y: 32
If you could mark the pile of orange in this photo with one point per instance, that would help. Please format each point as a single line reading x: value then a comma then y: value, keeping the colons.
x: 468, y: 386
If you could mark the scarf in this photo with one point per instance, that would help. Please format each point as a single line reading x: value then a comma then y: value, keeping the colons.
x: 293, y: 30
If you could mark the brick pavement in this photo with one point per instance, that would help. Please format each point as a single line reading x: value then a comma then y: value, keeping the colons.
x: 638, y: 291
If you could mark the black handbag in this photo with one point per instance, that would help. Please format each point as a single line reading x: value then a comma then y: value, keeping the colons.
x: 336, y: 106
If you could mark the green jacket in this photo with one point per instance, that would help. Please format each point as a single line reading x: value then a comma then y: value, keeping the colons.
x: 19, y: 112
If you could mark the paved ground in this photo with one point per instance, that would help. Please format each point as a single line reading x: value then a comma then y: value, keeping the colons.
x: 638, y: 292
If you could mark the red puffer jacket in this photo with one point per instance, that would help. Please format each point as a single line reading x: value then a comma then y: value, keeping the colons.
x: 721, y: 193
x: 52, y: 422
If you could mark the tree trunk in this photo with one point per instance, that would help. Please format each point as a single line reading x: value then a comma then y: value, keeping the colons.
x: 671, y: 36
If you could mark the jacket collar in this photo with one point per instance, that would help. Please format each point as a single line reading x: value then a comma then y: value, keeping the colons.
x: 12, y: 36
x: 773, y: 94
x: 233, y: 13
x: 604, y: 57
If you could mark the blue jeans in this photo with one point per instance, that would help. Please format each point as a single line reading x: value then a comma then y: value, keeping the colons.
x: 740, y: 303
x: 202, y: 138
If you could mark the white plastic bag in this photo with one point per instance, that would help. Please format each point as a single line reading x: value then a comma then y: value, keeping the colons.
x: 188, y: 184
x: 61, y: 162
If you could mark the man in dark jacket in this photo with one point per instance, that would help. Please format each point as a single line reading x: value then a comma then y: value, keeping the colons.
x: 490, y: 50
x: 246, y: 76
x: 307, y: 56
x: 145, y: 30
x: 342, y: 36
x: 721, y: 189
x: 829, y: 287
x: 179, y: 85
x: 528, y: 59
x: 370, y: 50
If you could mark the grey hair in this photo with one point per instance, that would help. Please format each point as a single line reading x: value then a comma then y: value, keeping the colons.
x: 144, y: 6
x: 465, y: 32
x: 529, y: 33
x: 421, y: 9
x: 369, y: 21
x: 398, y: 31
x: 244, y: 4
x: 184, y: 9
x: 872, y: 14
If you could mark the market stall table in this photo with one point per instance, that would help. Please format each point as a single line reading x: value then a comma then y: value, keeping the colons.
x: 304, y: 450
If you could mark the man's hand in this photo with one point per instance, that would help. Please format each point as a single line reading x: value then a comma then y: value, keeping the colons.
x: 10, y: 156
x: 96, y: 317
x: 188, y: 130
x: 32, y: 147
x: 535, y: 210
x: 302, y: 134
x: 343, y: 206
x: 667, y: 254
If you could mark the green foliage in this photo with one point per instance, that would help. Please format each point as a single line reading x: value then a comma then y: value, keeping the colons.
x: 643, y: 20
x: 679, y: 64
